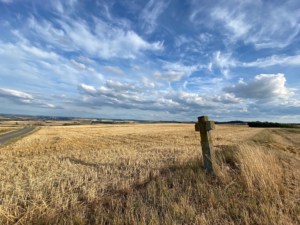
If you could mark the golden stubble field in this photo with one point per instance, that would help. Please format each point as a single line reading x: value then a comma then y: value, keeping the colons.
x: 61, y: 174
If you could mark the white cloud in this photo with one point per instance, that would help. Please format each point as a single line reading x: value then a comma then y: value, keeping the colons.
x: 77, y: 65
x: 21, y: 97
x: 50, y: 33
x: 226, y: 98
x: 23, y: 50
x: 86, y: 60
x: 100, y: 39
x: 175, y: 71
x: 131, y: 96
x: 189, y: 45
x: 15, y: 94
x: 262, y: 87
x: 265, y: 24
x: 50, y: 105
x: 136, y: 67
x: 88, y: 88
x: 267, y: 90
x: 63, y: 6
x: 48, y: 71
x: 233, y: 21
x: 181, y: 40
x: 169, y: 75
x: 274, y: 60
x: 118, y: 86
x: 187, y: 70
x: 223, y: 61
x: 114, y: 69
x: 151, y: 12
x: 97, y: 38
x: 190, y: 99
x: 117, y: 94
x: 58, y: 6
x: 40, y: 53
x: 148, y: 83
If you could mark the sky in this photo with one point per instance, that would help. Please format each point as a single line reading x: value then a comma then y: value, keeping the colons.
x: 151, y: 60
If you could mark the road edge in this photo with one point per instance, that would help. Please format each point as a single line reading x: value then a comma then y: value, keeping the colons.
x: 10, y: 141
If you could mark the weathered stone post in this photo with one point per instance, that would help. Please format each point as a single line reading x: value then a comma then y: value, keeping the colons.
x: 205, y: 126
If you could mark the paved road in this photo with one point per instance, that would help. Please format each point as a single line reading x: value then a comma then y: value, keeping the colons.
x: 14, y: 134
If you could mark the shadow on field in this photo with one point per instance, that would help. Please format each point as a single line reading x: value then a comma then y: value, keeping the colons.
x: 224, y: 155
x: 178, y: 194
x: 83, y: 163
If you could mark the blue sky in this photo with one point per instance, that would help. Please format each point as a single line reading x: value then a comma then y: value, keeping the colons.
x: 156, y: 60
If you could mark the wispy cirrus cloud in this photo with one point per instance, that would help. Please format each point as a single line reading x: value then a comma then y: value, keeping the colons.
x: 98, y: 39
x: 63, y: 6
x: 274, y: 60
x: 233, y: 21
x: 223, y: 61
x: 151, y: 12
x: 242, y: 21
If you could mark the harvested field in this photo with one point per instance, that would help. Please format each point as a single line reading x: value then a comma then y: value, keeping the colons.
x: 149, y: 174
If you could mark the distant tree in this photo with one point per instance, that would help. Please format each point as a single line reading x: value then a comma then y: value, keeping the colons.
x: 269, y: 124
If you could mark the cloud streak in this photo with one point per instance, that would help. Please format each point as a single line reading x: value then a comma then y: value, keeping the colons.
x: 96, y: 39
x: 151, y: 12
x: 274, y: 60
x: 242, y: 21
x: 20, y: 97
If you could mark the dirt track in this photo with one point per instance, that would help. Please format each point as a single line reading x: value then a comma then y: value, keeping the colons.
x: 8, y: 136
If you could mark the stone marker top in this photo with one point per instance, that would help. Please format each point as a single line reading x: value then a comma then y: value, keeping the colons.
x: 202, y: 118
x: 204, y: 122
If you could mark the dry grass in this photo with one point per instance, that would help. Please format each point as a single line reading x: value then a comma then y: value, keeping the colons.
x: 144, y: 174
x: 259, y: 168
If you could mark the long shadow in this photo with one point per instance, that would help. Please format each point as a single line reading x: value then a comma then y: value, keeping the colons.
x: 89, y: 164
x: 117, y: 201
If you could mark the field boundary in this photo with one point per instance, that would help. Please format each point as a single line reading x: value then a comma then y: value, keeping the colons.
x: 12, y: 140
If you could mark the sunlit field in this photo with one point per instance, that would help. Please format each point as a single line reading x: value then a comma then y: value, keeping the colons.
x: 150, y: 174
